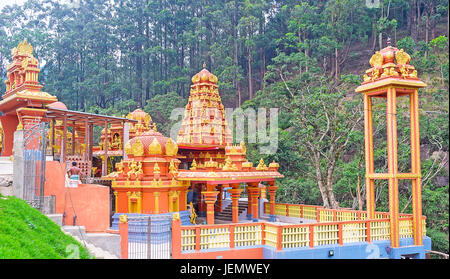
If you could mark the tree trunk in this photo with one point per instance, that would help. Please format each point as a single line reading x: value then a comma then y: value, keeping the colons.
x: 374, y: 36
x: 426, y: 35
x: 250, y: 82
x: 236, y: 50
x: 336, y: 61
x: 263, y: 67
x: 322, y: 189
x: 413, y: 16
x: 380, y: 40
x: 358, y: 193
x: 330, y: 172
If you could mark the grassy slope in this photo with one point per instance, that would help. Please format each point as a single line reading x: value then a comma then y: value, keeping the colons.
x: 25, y: 233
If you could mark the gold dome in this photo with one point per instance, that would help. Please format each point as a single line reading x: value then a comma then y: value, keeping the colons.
x: 204, y: 76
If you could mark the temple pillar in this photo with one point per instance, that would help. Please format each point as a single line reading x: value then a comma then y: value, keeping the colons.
x: 249, y: 203
x: 272, y: 189
x: 235, y: 195
x: 254, y: 192
x: 219, y: 199
x: 105, y: 154
x: 116, y: 201
x: 201, y: 201
x: 174, y: 201
x: 139, y: 202
x: 210, y: 199
x: 9, y: 124
x: 392, y: 166
x: 156, y: 196
x: 129, y: 201
x: 29, y: 118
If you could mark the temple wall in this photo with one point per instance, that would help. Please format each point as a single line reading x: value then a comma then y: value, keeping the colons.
x: 89, y: 202
x: 9, y: 124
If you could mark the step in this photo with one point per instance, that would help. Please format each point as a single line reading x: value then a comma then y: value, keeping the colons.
x: 106, y: 241
x: 6, y: 166
x: 78, y: 231
x: 57, y: 218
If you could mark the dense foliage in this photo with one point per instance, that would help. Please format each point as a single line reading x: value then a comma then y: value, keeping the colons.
x: 303, y: 57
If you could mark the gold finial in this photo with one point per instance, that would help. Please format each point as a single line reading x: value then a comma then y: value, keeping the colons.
x: 204, y: 65
x: 388, y: 41
x: 24, y: 48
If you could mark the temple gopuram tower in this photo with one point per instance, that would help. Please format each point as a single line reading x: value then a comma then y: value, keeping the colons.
x: 22, y: 103
x: 392, y: 77
x: 204, y: 122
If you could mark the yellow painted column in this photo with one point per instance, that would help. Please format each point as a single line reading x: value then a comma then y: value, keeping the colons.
x: 392, y: 165
x: 156, y: 195
x: 415, y: 169
x: 116, y: 200
x: 177, y: 202
x: 171, y: 201
x: 139, y: 202
x: 129, y: 201
x: 368, y: 132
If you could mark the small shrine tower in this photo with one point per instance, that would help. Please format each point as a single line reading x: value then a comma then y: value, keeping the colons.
x: 22, y: 104
x: 392, y: 77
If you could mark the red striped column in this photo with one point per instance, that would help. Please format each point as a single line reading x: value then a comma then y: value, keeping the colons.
x: 235, y: 195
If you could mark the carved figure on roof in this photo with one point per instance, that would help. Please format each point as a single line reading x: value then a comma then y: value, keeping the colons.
x: 402, y: 57
x: 376, y: 60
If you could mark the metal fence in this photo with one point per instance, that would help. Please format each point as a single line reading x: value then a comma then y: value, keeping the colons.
x: 149, y: 237
x: 35, y: 142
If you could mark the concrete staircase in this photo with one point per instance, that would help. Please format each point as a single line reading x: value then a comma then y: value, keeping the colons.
x: 99, y: 245
x: 227, y: 212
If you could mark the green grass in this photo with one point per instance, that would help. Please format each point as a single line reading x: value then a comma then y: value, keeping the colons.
x: 25, y: 233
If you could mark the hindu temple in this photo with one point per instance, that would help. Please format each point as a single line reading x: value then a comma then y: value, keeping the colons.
x: 130, y: 170
x: 158, y: 172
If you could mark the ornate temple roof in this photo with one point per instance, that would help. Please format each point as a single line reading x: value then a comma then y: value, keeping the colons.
x: 204, y: 122
x: 390, y: 65
x: 140, y: 115
x: 22, y: 76
x: 151, y: 144
x: 204, y: 77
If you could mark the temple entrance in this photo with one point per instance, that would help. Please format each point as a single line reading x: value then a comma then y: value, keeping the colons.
x: 34, y: 152
x: 150, y: 237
